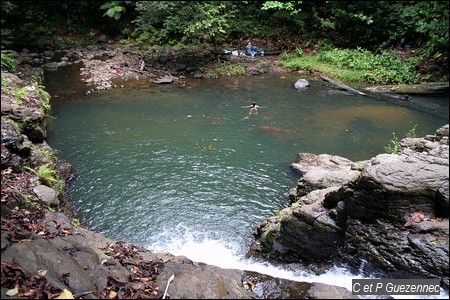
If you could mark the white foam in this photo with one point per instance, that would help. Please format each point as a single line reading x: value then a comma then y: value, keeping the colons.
x: 200, y: 248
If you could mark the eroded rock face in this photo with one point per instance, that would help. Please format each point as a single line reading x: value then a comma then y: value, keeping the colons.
x: 397, y: 213
x: 390, y: 211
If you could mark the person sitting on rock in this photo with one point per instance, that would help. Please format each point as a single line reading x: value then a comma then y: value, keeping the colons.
x: 250, y: 49
x: 141, y: 65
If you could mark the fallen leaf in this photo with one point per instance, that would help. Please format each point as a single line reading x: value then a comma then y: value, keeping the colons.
x: 57, y: 223
x: 66, y: 231
x: 12, y: 292
x: 112, y: 295
x: 66, y: 294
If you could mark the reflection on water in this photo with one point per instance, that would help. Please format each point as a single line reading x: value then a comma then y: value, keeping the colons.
x: 170, y: 166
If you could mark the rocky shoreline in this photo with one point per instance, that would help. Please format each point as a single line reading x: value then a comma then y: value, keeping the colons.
x: 387, y: 215
x: 45, y: 251
x: 106, y: 66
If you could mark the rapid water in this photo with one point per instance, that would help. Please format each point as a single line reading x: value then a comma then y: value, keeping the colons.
x: 184, y: 169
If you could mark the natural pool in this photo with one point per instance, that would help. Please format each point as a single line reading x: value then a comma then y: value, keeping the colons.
x: 184, y: 169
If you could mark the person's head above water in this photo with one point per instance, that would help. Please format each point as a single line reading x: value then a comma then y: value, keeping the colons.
x: 254, y: 104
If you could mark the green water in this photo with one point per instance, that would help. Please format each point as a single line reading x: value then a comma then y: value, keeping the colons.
x: 185, y: 169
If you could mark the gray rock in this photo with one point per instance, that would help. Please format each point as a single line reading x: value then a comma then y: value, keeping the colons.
x: 322, y: 171
x: 325, y: 291
x: 47, y: 194
x: 165, y: 79
x: 390, y: 212
x: 46, y: 255
x: 51, y: 66
x: 301, y: 84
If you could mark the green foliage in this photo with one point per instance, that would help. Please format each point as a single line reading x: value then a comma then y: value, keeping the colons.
x: 36, y: 24
x: 372, y: 25
x: 412, y: 132
x: 34, y: 92
x: 8, y: 60
x: 230, y: 69
x: 433, y: 25
x: 21, y: 95
x: 14, y: 124
x: 263, y: 66
x: 393, y: 146
x: 286, y: 5
x: 279, y: 213
x: 26, y: 199
x: 7, y: 7
x: 269, y: 236
x: 124, y: 41
x: 114, y: 9
x: 41, y: 93
x: 46, y: 174
x: 357, y: 65
x: 185, y: 21
x: 144, y: 37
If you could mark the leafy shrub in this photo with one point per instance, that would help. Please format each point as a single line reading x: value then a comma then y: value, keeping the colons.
x: 21, y: 95
x: 357, y: 65
x: 8, y: 61
x: 229, y: 69
x: 46, y: 174
x: 393, y: 145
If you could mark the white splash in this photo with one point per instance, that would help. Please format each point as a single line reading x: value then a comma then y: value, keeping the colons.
x: 199, y: 248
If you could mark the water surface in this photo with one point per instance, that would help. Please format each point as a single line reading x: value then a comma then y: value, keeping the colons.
x: 182, y: 168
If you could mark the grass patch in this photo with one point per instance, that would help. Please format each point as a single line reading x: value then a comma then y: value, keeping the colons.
x: 356, y: 65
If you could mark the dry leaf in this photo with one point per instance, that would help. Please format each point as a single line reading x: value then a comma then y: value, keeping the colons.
x: 66, y: 294
x: 66, y: 231
x: 12, y: 292
x: 57, y: 223
x: 112, y: 295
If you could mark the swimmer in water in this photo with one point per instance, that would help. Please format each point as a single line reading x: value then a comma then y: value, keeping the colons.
x: 253, y: 109
x: 253, y: 106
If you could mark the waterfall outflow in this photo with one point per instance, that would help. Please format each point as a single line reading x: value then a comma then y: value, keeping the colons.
x: 230, y: 255
x: 226, y: 254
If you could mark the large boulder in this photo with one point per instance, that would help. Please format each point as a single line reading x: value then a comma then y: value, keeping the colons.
x: 397, y: 212
x: 389, y: 213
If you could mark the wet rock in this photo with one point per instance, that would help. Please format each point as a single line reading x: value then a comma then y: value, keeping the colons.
x: 203, y: 282
x: 165, y: 79
x: 301, y: 84
x: 51, y: 66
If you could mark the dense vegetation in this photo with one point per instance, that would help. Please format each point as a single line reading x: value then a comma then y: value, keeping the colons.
x: 357, y: 37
